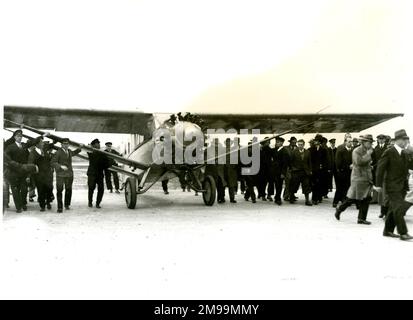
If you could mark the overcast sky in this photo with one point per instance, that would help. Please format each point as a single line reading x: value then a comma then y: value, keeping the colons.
x: 218, y: 56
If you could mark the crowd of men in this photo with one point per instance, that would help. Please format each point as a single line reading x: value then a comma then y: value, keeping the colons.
x: 32, y: 165
x: 362, y: 174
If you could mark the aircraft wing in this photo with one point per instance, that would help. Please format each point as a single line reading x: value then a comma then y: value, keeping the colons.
x: 82, y: 120
x: 278, y: 123
x: 113, y: 121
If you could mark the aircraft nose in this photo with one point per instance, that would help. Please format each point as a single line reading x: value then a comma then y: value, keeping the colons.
x: 187, y: 132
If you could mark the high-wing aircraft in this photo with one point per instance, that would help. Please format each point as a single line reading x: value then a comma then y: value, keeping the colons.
x: 140, y: 170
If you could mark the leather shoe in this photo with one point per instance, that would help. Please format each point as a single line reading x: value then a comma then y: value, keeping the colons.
x: 90, y: 205
x: 390, y: 235
x: 337, y: 214
x: 59, y: 210
x: 308, y: 203
x: 98, y: 206
x: 406, y: 237
x: 365, y: 222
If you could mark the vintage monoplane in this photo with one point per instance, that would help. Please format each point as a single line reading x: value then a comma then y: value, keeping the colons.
x: 140, y: 170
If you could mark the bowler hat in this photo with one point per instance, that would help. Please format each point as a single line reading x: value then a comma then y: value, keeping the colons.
x: 17, y: 132
x: 281, y: 139
x: 332, y: 140
x: 366, y: 137
x: 381, y: 136
x: 400, y: 134
x: 108, y: 143
x: 318, y: 138
x: 292, y: 139
x: 95, y: 141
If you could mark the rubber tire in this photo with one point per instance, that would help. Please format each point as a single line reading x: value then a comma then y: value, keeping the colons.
x: 130, y: 193
x: 210, y: 193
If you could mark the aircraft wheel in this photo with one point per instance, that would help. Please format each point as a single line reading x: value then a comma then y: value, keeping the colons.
x: 210, y: 192
x: 130, y: 193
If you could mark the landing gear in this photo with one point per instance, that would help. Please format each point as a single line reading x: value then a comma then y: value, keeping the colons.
x: 130, y: 193
x: 210, y: 191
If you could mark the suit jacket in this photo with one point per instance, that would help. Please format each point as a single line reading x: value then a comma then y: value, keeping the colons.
x: 19, y: 155
x: 301, y: 161
x: 97, y: 164
x: 319, y: 160
x: 61, y: 158
x: 378, y: 152
x: 331, y: 156
x: 344, y: 159
x: 43, y: 162
x: 392, y: 171
x: 112, y: 161
x: 281, y: 161
x: 266, y: 160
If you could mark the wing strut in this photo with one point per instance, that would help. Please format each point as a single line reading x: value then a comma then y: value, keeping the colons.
x: 120, y: 159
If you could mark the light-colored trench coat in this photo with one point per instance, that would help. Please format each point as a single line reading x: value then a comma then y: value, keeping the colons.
x: 361, y: 176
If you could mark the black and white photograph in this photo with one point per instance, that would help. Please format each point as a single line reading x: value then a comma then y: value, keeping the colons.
x: 206, y: 150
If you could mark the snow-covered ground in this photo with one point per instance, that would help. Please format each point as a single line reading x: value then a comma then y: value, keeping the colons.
x: 174, y: 247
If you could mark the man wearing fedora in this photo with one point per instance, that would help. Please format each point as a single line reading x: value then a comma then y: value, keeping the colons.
x: 392, y: 174
x: 344, y: 164
x: 62, y: 163
x: 361, y: 180
x: 319, y: 166
x: 98, y: 163
x: 332, y: 150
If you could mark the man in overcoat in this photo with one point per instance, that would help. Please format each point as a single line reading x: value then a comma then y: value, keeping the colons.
x: 361, y: 180
x: 378, y: 152
x: 392, y: 173
x: 344, y: 164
